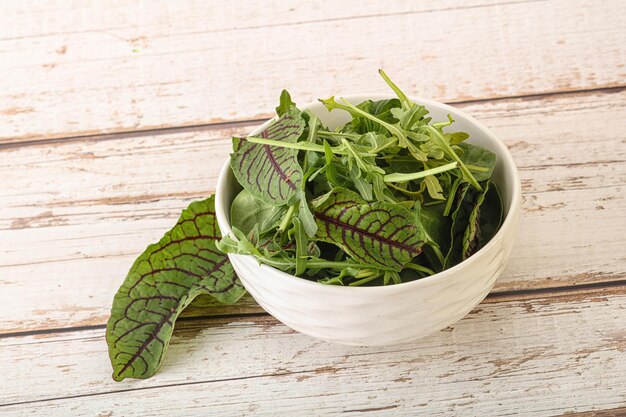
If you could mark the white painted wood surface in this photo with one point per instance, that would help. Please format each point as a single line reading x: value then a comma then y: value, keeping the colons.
x: 548, y: 355
x: 547, y: 76
x: 84, y: 68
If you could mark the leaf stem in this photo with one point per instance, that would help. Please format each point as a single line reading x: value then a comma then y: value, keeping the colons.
x: 444, y: 124
x: 302, y: 146
x: 391, y: 128
x: 477, y: 168
x: 336, y: 264
x: 284, y: 224
x: 445, y: 146
x: 337, y: 134
x: 312, y: 129
x: 451, y: 195
x: 364, y: 280
x: 400, y: 177
x: 419, y: 268
x: 403, y: 98
x: 355, y: 155
x: 314, y: 264
x: 393, y: 140
x: 414, y: 194
x: 438, y: 253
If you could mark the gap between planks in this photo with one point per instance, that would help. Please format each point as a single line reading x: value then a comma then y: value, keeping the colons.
x: 617, y: 286
x: 613, y: 412
x: 162, y: 130
x: 177, y: 384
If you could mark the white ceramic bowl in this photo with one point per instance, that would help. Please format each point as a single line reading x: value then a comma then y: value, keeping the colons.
x: 390, y: 314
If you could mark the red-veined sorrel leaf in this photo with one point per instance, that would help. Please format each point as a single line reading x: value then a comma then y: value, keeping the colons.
x: 270, y: 173
x: 379, y: 234
x: 160, y: 284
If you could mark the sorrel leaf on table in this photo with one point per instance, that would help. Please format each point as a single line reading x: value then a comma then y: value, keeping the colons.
x: 161, y: 283
x: 271, y: 173
x: 379, y: 234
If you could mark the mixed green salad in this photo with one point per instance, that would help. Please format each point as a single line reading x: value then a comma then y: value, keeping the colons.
x: 390, y: 197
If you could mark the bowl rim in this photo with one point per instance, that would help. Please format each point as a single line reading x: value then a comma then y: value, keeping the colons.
x: 507, y: 226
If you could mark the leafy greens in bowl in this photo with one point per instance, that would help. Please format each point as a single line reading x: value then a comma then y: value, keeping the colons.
x: 389, y: 197
x: 359, y: 221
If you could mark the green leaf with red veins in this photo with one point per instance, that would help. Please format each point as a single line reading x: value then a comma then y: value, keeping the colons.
x: 379, y: 234
x: 161, y: 283
x: 271, y: 173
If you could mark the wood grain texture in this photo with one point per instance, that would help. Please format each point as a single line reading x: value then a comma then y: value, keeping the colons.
x: 189, y: 16
x: 80, y: 211
x: 115, y: 115
x: 538, y: 357
x: 84, y: 68
x: 615, y: 412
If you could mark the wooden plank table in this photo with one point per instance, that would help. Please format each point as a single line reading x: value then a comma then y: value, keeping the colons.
x: 115, y: 115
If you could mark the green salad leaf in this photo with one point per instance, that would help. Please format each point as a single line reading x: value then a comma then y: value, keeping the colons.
x: 379, y: 234
x: 472, y: 235
x: 491, y: 215
x: 466, y: 228
x: 161, y: 283
x: 480, y: 161
x: 437, y: 229
x: 271, y: 173
x: 250, y: 214
x: 285, y: 103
